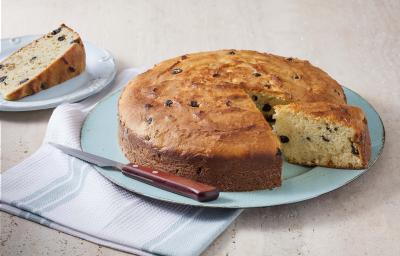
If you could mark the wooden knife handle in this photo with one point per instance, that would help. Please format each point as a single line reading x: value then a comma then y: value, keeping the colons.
x: 173, y: 183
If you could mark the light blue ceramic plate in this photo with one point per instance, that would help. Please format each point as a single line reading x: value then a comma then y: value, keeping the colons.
x: 99, y: 136
x: 100, y: 71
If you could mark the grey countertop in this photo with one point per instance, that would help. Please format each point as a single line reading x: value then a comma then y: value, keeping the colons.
x: 356, y: 42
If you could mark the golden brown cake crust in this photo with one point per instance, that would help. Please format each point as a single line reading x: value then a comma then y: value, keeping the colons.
x: 228, y: 174
x: 347, y: 115
x: 192, y: 115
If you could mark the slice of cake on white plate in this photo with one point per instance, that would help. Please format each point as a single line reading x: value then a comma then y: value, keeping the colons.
x: 323, y: 134
x: 45, y: 62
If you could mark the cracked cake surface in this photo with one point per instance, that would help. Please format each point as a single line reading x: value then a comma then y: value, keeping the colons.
x: 205, y: 115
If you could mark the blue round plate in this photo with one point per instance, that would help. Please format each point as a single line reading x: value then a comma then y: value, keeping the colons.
x: 100, y: 71
x: 99, y: 136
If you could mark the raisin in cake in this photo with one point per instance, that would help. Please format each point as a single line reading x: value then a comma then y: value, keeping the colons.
x: 323, y: 134
x: 203, y: 115
x: 45, y: 62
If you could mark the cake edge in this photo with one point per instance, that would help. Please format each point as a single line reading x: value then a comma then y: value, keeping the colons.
x: 214, y: 171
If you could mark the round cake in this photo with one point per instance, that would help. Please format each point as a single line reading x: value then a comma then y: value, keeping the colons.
x: 206, y: 116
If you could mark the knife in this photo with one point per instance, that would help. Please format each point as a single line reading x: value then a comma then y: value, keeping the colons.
x: 164, y: 180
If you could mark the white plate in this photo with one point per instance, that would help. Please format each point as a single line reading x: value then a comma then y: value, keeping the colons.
x: 100, y: 71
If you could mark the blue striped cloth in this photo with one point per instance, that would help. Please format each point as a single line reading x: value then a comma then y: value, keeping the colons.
x: 68, y: 195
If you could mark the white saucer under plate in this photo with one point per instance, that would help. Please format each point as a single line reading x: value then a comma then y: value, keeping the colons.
x: 100, y: 72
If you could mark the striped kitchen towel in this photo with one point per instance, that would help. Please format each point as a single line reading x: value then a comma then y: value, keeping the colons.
x: 68, y: 195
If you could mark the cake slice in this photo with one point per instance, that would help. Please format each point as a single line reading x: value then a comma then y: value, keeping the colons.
x: 45, y: 62
x: 323, y: 134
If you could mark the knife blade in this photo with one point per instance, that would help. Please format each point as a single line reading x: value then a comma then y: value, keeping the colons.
x: 167, y: 181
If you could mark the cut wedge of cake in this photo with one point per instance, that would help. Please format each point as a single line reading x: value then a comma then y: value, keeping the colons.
x: 323, y: 134
x: 45, y: 62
